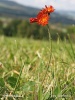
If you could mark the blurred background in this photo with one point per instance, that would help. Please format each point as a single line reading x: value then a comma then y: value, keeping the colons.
x: 15, y: 14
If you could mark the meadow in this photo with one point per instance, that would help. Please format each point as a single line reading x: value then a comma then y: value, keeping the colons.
x: 33, y: 70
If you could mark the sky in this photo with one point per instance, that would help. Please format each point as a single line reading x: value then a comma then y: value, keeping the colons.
x: 58, y: 4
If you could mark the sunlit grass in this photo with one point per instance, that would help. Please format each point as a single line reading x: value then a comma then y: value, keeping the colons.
x: 33, y: 57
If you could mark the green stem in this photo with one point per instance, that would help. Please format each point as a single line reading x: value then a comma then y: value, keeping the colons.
x: 50, y: 39
x: 50, y: 56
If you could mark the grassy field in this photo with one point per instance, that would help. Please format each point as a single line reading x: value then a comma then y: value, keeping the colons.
x: 33, y: 70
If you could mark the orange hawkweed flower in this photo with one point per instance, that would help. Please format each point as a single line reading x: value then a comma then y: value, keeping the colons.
x: 43, y: 16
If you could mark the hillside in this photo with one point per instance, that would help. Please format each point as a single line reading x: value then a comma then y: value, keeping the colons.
x: 15, y: 10
x: 10, y: 8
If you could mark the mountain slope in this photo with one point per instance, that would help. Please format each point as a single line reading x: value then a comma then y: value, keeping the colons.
x: 11, y: 8
x: 15, y: 10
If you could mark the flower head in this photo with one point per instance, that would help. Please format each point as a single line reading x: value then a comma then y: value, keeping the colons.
x: 43, y: 16
x: 49, y: 9
x: 43, y: 20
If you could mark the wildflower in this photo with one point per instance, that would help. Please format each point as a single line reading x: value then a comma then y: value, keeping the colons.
x: 43, y: 16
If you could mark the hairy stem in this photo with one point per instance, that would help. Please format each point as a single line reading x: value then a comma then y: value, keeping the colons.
x: 50, y: 54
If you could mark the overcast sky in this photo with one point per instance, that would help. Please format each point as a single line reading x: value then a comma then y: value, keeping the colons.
x: 58, y: 4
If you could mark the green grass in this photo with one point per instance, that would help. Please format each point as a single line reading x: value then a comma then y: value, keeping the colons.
x: 28, y: 73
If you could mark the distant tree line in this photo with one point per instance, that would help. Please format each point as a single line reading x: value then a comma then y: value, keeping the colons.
x: 22, y: 28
